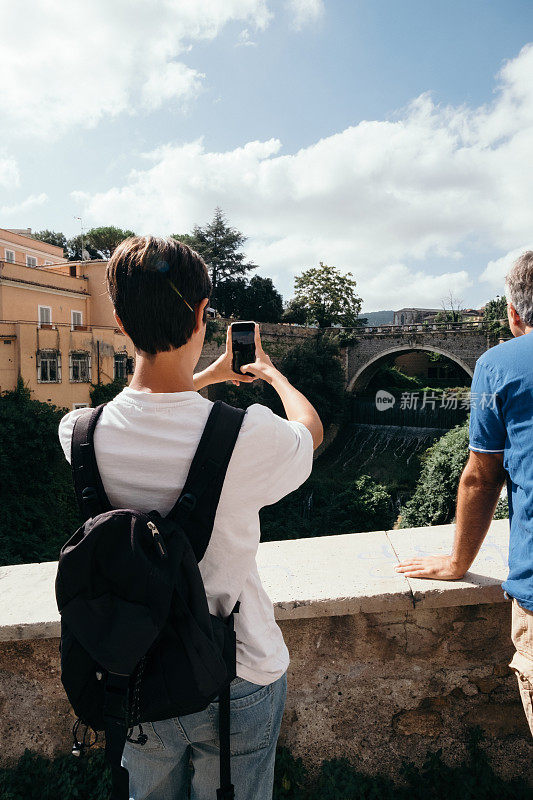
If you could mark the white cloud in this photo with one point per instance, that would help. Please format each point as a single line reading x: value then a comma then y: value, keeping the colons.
x: 383, y: 199
x: 9, y: 173
x: 496, y: 270
x: 30, y: 202
x: 244, y: 39
x: 79, y: 62
x: 303, y: 12
x: 175, y: 81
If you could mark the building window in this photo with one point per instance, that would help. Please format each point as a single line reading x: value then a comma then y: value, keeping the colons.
x: 31, y: 261
x: 10, y: 256
x: 80, y: 367
x: 79, y: 405
x: 76, y: 318
x: 72, y: 270
x: 45, y: 315
x: 48, y: 366
x: 120, y: 365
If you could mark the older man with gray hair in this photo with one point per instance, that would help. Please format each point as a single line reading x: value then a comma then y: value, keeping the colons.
x: 501, y: 449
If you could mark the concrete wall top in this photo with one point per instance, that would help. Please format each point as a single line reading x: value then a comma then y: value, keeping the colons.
x: 306, y: 578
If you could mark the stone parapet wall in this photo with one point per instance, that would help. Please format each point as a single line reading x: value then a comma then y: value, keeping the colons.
x: 386, y: 688
x: 383, y: 668
x: 277, y: 339
x: 368, y: 349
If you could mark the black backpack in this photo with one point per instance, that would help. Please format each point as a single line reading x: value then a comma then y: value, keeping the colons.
x: 138, y: 643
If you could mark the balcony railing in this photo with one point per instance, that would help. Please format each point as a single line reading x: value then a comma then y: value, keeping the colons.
x: 56, y: 325
x: 468, y: 326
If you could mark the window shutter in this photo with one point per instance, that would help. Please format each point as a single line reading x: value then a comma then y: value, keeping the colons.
x: 59, y: 366
x: 89, y: 373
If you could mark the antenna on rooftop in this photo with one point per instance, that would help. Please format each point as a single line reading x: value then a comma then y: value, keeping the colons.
x: 83, y: 251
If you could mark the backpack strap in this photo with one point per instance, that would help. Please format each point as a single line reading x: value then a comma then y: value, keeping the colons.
x: 116, y: 703
x: 90, y: 492
x: 196, y: 506
x: 226, y: 791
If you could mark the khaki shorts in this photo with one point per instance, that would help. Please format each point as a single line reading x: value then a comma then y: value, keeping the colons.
x: 522, y: 661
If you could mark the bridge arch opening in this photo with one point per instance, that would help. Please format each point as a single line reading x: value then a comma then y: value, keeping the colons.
x: 363, y: 376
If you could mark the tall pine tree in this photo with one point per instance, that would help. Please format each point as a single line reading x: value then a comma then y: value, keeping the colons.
x: 220, y: 246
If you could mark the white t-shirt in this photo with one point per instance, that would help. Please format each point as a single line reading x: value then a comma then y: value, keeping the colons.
x: 144, y: 444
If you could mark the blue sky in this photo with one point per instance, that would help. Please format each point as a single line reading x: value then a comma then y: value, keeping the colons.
x: 382, y: 137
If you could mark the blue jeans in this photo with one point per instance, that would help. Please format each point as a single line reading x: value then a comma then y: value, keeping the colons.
x: 182, y: 753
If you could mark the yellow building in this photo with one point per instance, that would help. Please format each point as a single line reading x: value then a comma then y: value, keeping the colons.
x: 18, y: 247
x: 57, y: 329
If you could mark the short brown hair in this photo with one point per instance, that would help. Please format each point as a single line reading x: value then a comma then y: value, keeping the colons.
x: 154, y: 284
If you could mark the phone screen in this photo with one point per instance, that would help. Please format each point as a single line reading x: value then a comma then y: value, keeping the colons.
x: 242, y: 345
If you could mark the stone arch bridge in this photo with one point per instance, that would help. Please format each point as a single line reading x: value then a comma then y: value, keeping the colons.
x: 461, y: 342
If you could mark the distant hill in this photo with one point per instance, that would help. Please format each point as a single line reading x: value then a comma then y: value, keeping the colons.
x: 378, y: 317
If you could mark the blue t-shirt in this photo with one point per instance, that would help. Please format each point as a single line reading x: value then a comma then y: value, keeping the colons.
x: 501, y: 421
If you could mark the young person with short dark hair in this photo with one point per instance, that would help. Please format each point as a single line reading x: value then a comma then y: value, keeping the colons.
x: 144, y: 444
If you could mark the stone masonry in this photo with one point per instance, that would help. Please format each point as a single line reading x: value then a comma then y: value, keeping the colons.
x: 383, y: 668
x: 367, y: 355
x: 370, y: 347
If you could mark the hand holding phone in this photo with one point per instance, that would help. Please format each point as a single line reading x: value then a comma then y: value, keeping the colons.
x: 242, y: 346
x: 262, y: 367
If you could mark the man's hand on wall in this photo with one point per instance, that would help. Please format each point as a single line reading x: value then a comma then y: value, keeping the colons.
x: 440, y: 568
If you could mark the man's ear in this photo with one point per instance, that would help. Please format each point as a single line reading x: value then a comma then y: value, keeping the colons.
x: 514, y: 315
x: 200, y: 308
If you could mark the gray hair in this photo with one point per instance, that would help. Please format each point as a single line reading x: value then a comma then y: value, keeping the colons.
x: 519, y: 286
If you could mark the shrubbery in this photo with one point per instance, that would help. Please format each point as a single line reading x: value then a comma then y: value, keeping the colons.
x: 38, y: 510
x: 325, y: 506
x: 395, y: 381
x: 474, y: 779
x: 68, y: 778
x: 433, y: 501
x: 104, y: 392
x: 314, y: 368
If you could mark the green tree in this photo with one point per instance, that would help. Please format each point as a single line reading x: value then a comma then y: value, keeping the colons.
x: 53, y: 237
x: 446, y: 316
x: 452, y: 309
x: 77, y: 244
x: 104, y: 392
x: 328, y: 296
x: 231, y: 297
x: 38, y: 511
x: 106, y: 239
x: 314, y: 367
x: 296, y: 312
x: 495, y: 316
x: 220, y: 246
x: 262, y: 301
x: 433, y: 502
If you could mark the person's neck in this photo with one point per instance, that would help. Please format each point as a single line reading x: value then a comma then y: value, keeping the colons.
x: 164, y: 372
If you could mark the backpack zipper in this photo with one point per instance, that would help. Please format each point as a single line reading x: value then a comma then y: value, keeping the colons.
x: 158, y: 539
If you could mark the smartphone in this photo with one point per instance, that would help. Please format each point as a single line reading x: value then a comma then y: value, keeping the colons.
x: 242, y: 345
